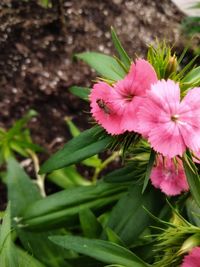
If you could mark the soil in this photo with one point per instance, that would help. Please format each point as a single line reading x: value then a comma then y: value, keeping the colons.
x: 36, y: 61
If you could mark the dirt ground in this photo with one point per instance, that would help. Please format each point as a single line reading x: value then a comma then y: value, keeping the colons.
x: 37, y: 47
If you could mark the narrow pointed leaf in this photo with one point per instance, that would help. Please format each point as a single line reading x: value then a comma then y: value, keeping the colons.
x: 101, y: 250
x: 192, y: 79
x: 113, y: 237
x: 64, y: 207
x: 89, y: 224
x: 192, y: 177
x: 128, y: 223
x: 118, y: 46
x: 11, y: 255
x: 81, y: 92
x: 21, y: 193
x: 87, y: 144
x: 193, y: 211
x: 105, y: 65
x: 128, y: 173
x: 67, y: 177
x: 148, y: 170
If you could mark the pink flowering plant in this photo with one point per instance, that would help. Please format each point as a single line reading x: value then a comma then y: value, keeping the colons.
x: 146, y: 113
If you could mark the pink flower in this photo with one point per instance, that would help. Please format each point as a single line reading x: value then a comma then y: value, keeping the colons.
x: 170, y: 178
x: 171, y: 125
x: 115, y: 107
x: 130, y: 93
x: 102, y: 108
x: 192, y: 259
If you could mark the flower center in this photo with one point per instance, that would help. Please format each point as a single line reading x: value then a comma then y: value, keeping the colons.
x: 175, y: 117
x: 129, y: 97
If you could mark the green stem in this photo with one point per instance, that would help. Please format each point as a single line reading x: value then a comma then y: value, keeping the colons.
x: 39, y: 178
x: 104, y: 164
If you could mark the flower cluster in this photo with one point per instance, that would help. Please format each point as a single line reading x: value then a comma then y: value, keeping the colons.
x: 153, y: 108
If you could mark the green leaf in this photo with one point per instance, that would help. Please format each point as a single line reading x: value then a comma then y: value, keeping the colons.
x: 21, y: 193
x: 193, y: 211
x: 128, y: 223
x: 113, y: 237
x: 91, y: 162
x: 118, y: 46
x: 85, y: 261
x: 16, y: 128
x: 45, y: 3
x: 27, y: 144
x: 21, y: 189
x: 101, y: 250
x: 72, y: 127
x: 87, y: 144
x: 11, y: 255
x: 131, y: 172
x: 5, y: 231
x: 89, y: 224
x: 192, y: 176
x: 67, y: 177
x: 191, y: 25
x: 64, y: 207
x: 192, y: 79
x: 105, y: 65
x: 82, y: 92
x: 17, y: 148
x: 148, y: 170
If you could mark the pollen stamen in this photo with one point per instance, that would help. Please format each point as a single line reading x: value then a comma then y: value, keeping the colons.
x: 175, y: 117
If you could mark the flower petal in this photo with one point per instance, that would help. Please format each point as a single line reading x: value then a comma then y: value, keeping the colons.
x: 192, y: 259
x: 143, y: 75
x: 129, y: 118
x: 105, y: 116
x: 169, y: 178
x: 167, y: 140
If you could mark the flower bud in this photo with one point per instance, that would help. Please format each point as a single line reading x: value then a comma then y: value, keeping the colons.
x: 191, y: 242
x: 171, y: 66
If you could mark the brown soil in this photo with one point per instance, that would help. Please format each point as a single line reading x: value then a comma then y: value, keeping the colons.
x: 37, y: 46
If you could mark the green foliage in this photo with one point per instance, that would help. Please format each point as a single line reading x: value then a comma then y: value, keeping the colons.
x: 17, y: 139
x: 85, y: 145
x: 64, y: 207
x: 191, y: 25
x: 101, y: 250
x: 10, y: 254
x: 67, y: 177
x: 193, y: 211
x: 171, y: 238
x: 45, y: 3
x: 149, y: 168
x: 125, y: 59
x: 191, y: 79
x: 159, y: 57
x: 93, y: 161
x: 131, y: 172
x: 82, y: 92
x: 105, y: 65
x: 90, y: 225
x: 21, y: 193
x: 167, y: 65
x: 122, y: 219
x: 192, y: 177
